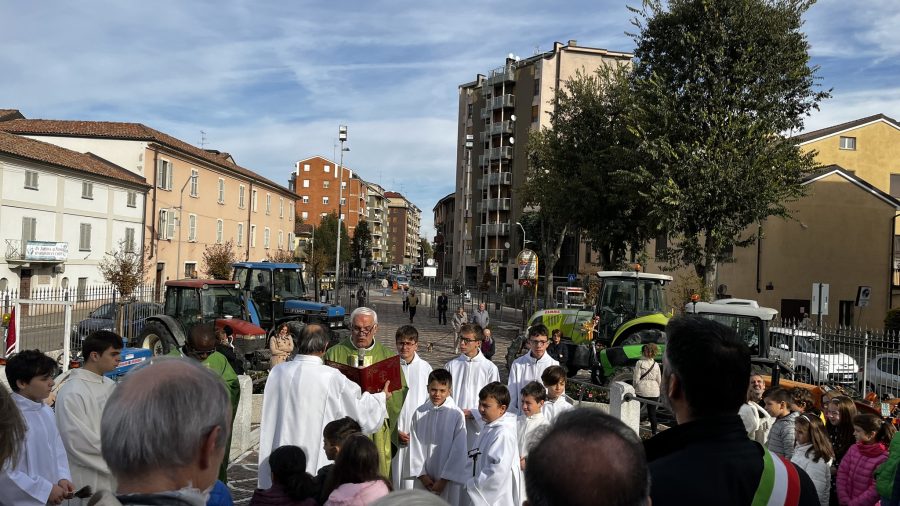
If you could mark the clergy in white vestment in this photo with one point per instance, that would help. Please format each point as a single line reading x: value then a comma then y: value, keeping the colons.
x: 497, y: 476
x: 529, y: 367
x: 41, y: 473
x: 438, y: 460
x: 554, y: 380
x: 79, y: 406
x: 303, y: 395
x: 471, y: 371
x: 416, y: 372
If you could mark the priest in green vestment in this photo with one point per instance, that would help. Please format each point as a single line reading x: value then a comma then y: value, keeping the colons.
x: 201, y: 346
x: 362, y: 350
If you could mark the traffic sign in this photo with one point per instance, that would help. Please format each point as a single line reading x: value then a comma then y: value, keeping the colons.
x: 571, y: 278
x: 527, y: 262
x: 429, y: 272
x: 819, y: 289
x: 862, y: 296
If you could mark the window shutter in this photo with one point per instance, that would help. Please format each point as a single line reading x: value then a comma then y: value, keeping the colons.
x: 170, y: 226
x: 161, y: 174
x: 169, y: 176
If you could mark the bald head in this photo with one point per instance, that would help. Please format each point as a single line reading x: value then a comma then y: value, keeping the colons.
x: 313, y: 340
x: 202, y: 337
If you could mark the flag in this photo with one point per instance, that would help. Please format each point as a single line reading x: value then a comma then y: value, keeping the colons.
x: 11, y: 333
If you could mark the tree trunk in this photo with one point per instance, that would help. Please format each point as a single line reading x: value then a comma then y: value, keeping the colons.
x: 550, y: 259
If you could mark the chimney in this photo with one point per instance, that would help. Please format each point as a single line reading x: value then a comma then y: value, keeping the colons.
x: 573, y: 43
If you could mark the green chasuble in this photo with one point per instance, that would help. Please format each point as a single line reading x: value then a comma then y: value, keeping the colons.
x: 386, y: 437
x: 218, y: 364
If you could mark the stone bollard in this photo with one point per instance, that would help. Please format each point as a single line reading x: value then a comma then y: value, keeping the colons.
x: 627, y: 411
x: 241, y: 440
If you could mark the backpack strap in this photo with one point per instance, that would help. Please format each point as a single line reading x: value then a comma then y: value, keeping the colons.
x: 779, y: 484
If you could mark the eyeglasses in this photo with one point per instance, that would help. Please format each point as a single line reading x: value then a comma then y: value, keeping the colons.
x: 535, y: 342
x: 363, y: 330
x: 200, y: 353
x: 466, y: 340
x: 401, y: 344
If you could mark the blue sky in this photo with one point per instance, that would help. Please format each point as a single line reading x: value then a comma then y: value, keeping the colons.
x: 271, y: 81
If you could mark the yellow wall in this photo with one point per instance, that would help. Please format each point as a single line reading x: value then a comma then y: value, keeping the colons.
x: 877, y: 153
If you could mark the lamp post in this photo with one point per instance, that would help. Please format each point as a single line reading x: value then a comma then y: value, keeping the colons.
x: 180, y: 211
x: 523, y: 234
x: 342, y: 136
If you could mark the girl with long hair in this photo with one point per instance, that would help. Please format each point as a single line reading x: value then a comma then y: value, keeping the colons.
x: 813, y: 453
x: 855, y: 477
x: 355, y: 481
x: 291, y: 484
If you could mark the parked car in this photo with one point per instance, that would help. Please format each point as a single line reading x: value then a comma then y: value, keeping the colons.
x: 801, y: 348
x: 883, y: 375
x: 104, y: 318
x: 402, y: 281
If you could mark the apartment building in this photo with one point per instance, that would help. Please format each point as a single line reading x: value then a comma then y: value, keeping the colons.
x: 377, y: 207
x: 321, y: 189
x: 198, y: 197
x: 444, y: 226
x: 403, y: 230
x: 496, y: 114
x: 60, y: 213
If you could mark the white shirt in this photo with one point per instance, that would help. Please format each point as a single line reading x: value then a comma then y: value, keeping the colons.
x: 416, y: 373
x: 42, y: 458
x: 300, y: 398
x: 470, y: 375
x: 438, y: 447
x: 79, y: 405
x: 524, y: 370
x: 552, y: 409
x: 497, y: 479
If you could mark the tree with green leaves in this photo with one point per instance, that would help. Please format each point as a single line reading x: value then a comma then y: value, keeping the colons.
x: 124, y: 268
x: 719, y: 85
x: 325, y: 242
x: 218, y: 259
x: 427, y: 251
x: 361, y: 245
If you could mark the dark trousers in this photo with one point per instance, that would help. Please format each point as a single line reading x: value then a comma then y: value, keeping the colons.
x: 412, y: 313
x: 405, y: 304
x: 651, y: 413
x: 442, y: 316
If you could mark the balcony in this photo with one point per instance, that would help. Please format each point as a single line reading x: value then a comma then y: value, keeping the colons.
x: 493, y: 205
x: 485, y: 255
x: 492, y: 229
x: 20, y: 251
x: 505, y: 74
x: 504, y: 152
x: 498, y: 127
x: 501, y: 102
x: 494, y: 179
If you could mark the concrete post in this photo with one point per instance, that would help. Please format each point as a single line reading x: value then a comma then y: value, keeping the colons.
x: 627, y: 411
x: 241, y: 439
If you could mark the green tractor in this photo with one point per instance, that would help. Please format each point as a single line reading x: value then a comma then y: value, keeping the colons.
x: 629, y: 311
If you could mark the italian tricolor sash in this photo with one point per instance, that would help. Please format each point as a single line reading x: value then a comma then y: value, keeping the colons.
x: 779, y: 484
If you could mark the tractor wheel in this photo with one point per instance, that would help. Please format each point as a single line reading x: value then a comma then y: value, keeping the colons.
x: 156, y: 337
x: 641, y: 337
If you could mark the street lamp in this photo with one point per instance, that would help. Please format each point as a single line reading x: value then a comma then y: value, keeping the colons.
x: 180, y: 212
x: 523, y: 234
x: 342, y: 136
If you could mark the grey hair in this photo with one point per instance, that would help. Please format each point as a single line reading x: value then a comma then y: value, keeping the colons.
x: 313, y: 339
x: 410, y: 498
x: 364, y: 311
x: 159, y: 415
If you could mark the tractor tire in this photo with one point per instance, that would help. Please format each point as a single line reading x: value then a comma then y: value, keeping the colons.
x: 157, y: 338
x: 641, y: 337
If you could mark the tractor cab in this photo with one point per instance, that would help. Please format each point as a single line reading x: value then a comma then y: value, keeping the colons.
x: 628, y: 303
x: 751, y: 324
x: 570, y: 297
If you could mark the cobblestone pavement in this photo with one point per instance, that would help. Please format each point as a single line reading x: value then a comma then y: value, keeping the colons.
x: 436, y: 345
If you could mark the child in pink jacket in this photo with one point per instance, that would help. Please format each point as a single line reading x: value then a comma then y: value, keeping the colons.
x: 354, y: 481
x: 855, y: 477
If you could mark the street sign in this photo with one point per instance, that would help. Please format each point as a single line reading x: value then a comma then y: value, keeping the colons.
x: 527, y: 262
x: 495, y: 267
x: 862, y: 296
x: 571, y: 278
x: 819, y: 298
x: 430, y: 262
x: 429, y: 272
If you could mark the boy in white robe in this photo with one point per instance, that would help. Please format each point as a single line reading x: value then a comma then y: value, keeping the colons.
x: 416, y: 372
x: 80, y: 403
x: 471, y: 371
x: 530, y: 366
x: 554, y: 379
x: 530, y: 423
x: 41, y: 474
x: 438, y: 451
x: 497, y: 478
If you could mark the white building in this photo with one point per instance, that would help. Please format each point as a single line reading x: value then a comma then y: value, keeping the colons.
x: 60, y: 212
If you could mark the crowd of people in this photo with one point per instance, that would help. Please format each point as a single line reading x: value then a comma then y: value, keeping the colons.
x: 450, y: 435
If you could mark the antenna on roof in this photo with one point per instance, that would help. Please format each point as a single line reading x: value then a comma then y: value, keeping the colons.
x: 537, y: 50
x: 202, y: 139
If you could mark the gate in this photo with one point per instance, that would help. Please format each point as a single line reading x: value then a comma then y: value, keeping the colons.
x: 45, y: 325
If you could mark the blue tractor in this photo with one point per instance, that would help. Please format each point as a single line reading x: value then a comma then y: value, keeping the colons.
x: 279, y: 295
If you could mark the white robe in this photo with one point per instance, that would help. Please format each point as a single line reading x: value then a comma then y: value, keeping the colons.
x: 42, y: 458
x: 529, y: 430
x: 416, y: 374
x: 79, y: 405
x: 438, y: 447
x: 524, y: 370
x: 552, y: 409
x: 497, y: 479
x: 470, y: 375
x: 300, y: 398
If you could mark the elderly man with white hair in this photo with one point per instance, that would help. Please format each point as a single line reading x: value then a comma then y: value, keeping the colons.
x: 163, y: 434
x: 303, y: 395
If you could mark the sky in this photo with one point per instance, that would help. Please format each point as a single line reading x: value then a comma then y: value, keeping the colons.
x: 271, y: 81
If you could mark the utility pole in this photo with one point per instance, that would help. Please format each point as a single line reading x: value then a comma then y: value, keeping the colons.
x: 342, y: 136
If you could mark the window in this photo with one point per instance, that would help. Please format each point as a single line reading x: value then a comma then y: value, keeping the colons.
x: 326, y: 184
x: 192, y: 228
x: 324, y: 200
x: 305, y: 167
x: 281, y: 208
x: 241, y: 196
x: 252, y: 236
x: 164, y: 175
x: 266, y: 234
x: 221, y: 191
x: 343, y: 201
x: 84, y: 238
x: 662, y: 246
x: 343, y: 185
x: 132, y: 199
x: 87, y: 190
x: 129, y: 240
x: 535, y: 113
x: 343, y: 217
x: 290, y: 243
x: 240, y: 234
x: 280, y: 239
x: 29, y: 230
x: 895, y: 185
x: 31, y: 180
x: 306, y: 183
x: 328, y: 168
x: 220, y: 231
x: 253, y: 200
x: 306, y: 199
x: 322, y: 215
x: 166, y: 228
x: 195, y: 182
x: 190, y: 269
x: 304, y: 215
x: 268, y: 204
x: 848, y: 143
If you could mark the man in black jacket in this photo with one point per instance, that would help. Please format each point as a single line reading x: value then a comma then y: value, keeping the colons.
x: 442, y: 304
x: 708, y: 458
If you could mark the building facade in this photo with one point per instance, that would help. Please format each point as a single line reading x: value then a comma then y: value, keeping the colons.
x: 496, y: 114
x: 61, y: 212
x: 403, y: 230
x: 198, y: 197
x: 376, y: 205
x: 444, y: 226
x: 321, y: 189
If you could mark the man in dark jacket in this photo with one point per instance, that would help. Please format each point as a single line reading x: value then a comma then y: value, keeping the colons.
x: 708, y: 458
x: 442, y: 304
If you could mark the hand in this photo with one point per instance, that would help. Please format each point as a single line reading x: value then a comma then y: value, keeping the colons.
x: 522, y: 463
x: 426, y: 481
x: 386, y: 390
x: 439, y: 486
x: 403, y: 436
x: 68, y: 487
x: 57, y: 494
x: 468, y: 413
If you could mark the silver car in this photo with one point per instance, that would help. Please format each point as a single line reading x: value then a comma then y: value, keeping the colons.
x: 883, y: 375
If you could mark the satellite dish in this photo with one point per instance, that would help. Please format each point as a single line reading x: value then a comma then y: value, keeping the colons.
x: 506, y: 244
x: 512, y: 117
x: 512, y: 140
